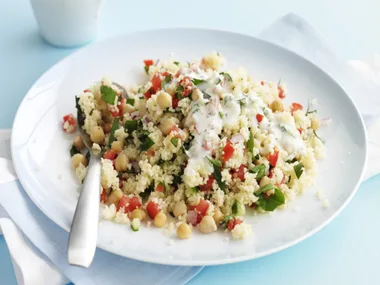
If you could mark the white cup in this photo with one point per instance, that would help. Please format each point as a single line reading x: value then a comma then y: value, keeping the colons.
x: 67, y: 23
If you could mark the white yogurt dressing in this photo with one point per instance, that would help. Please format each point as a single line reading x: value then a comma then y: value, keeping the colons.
x: 213, y: 114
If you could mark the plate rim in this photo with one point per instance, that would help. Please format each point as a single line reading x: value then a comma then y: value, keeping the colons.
x: 229, y: 260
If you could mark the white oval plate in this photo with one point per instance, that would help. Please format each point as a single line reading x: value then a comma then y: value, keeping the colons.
x: 41, y: 150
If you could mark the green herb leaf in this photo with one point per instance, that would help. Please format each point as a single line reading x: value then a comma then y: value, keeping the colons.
x: 108, y: 94
x: 257, y: 156
x: 146, y: 68
x: 291, y: 160
x: 73, y: 150
x: 226, y: 220
x: 80, y: 114
x: 217, y: 173
x: 176, y: 63
x: 130, y: 126
x: 264, y: 189
x: 177, y: 179
x: 227, y: 76
x: 115, y: 126
x: 298, y: 169
x: 259, y: 170
x: 218, y: 81
x: 131, y: 101
x: 250, y: 143
x: 221, y: 115
x: 273, y: 201
x: 167, y: 79
x: 146, y: 143
x: 195, y: 189
x: 174, y: 141
x: 237, y: 208
x: 198, y: 81
x: 215, y: 162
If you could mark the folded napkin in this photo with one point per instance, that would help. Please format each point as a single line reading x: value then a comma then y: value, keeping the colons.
x: 43, y: 244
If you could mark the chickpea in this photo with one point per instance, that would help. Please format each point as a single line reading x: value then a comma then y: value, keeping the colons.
x: 115, y: 197
x: 218, y: 216
x: 315, y: 124
x: 183, y: 231
x: 207, y: 225
x: 160, y: 220
x: 107, y: 127
x: 78, y: 142
x: 128, y: 109
x: 138, y: 214
x: 97, y: 134
x: 277, y: 106
x: 117, y: 146
x: 77, y: 159
x: 167, y: 124
x: 264, y: 181
x: 179, y: 208
x: 142, y: 108
x: 164, y: 100
x: 197, y: 95
x: 121, y: 162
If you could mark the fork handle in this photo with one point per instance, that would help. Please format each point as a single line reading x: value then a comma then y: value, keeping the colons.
x: 84, y: 227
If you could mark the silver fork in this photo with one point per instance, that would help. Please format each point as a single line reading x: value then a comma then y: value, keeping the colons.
x: 84, y: 227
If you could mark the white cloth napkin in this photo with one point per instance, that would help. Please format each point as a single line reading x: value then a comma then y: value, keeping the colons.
x: 43, y: 244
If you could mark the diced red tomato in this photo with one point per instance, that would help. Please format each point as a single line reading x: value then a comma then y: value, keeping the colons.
x: 252, y: 206
x: 110, y: 154
x: 175, y: 131
x: 104, y: 197
x: 177, y: 74
x: 282, y: 180
x: 156, y: 83
x: 71, y: 121
x: 175, y: 102
x: 259, y: 117
x: 262, y: 83
x: 295, y: 107
x: 272, y: 158
x: 300, y: 130
x: 187, y: 85
x: 115, y: 112
x: 148, y: 62
x: 86, y: 90
x: 160, y: 188
x: 129, y: 204
x: 240, y: 172
x: 201, y: 207
x: 233, y: 222
x: 228, y: 152
x: 152, y: 209
x: 121, y: 106
x: 281, y: 92
x: 208, y: 186
x: 148, y: 94
x: 266, y: 195
x: 270, y: 173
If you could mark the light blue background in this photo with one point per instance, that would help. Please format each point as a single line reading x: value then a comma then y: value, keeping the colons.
x: 348, y: 250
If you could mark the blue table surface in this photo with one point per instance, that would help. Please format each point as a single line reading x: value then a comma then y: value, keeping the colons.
x: 347, y: 251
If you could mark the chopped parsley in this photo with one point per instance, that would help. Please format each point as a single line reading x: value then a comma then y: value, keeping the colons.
x: 80, y: 115
x: 108, y: 94
x: 198, y: 81
x: 146, y: 142
x: 298, y: 169
x: 131, y: 101
x: 272, y: 202
x: 217, y: 173
x: 167, y: 79
x: 130, y: 126
x: 250, y: 143
x: 146, y: 68
x: 264, y: 189
x: 259, y: 170
x: 115, y: 126
x: 174, y: 141
x: 176, y: 62
x: 226, y: 75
